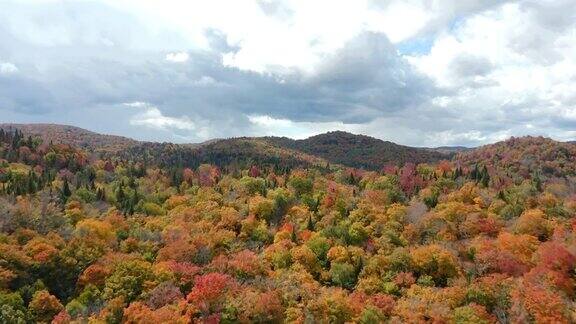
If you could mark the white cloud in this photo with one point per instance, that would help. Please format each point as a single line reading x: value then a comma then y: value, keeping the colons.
x: 450, y: 137
x: 264, y: 125
x: 269, y: 122
x: 152, y: 117
x: 7, y: 68
x: 291, y: 33
x: 178, y: 57
x: 136, y: 104
x: 503, y: 69
x: 205, y: 81
x: 492, y: 39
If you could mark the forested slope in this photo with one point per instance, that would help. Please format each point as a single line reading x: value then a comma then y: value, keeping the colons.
x: 117, y: 239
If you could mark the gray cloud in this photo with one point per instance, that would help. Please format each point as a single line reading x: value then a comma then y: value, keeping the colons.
x: 470, y: 65
x: 80, y: 63
x: 364, y: 80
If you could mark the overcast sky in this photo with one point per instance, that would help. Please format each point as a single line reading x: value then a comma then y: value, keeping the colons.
x: 422, y: 73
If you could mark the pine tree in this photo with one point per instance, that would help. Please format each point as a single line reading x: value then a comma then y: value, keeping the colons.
x: 120, y: 195
x: 310, y: 225
x: 133, y: 202
x: 537, y: 181
x: 475, y: 172
x: 65, y: 193
x: 485, y: 177
x: 501, y: 195
x: 294, y: 237
x: 101, y: 194
x: 31, y: 183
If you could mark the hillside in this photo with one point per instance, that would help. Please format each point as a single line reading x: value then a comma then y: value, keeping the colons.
x: 358, y: 151
x: 333, y: 148
x: 251, y: 232
x: 450, y: 149
x: 235, y: 152
x: 524, y: 156
x: 336, y: 148
x: 74, y: 136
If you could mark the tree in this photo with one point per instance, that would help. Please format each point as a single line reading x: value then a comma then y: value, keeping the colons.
x: 210, y: 292
x: 44, y: 306
x: 65, y: 193
x: 343, y: 274
x: 128, y: 280
x: 435, y: 261
x: 301, y: 185
x: 484, y: 177
x: 534, y: 222
x: 12, y: 309
x: 164, y: 294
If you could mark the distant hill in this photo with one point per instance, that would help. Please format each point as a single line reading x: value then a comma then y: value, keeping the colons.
x: 451, y: 149
x: 524, y: 156
x: 358, y: 151
x: 333, y: 148
x: 75, y: 136
x: 235, y: 152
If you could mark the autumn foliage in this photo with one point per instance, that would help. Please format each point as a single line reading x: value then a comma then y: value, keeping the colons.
x: 488, y: 237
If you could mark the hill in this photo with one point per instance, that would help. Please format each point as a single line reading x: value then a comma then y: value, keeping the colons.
x: 235, y: 153
x: 335, y: 148
x: 524, y: 156
x: 74, y: 136
x: 332, y: 148
x: 451, y: 149
x: 113, y: 240
x: 358, y: 151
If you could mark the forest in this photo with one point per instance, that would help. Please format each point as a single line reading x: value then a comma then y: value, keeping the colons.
x: 143, y: 236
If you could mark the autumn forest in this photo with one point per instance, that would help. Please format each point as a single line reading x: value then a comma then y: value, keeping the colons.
x: 335, y: 229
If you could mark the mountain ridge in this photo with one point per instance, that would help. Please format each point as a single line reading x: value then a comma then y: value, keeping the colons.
x: 359, y: 151
x: 335, y: 148
x: 73, y: 135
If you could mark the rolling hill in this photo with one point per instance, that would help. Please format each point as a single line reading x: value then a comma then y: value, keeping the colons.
x: 335, y: 148
x: 521, y: 155
x: 358, y: 151
x: 74, y: 136
x: 524, y: 156
x: 234, y: 152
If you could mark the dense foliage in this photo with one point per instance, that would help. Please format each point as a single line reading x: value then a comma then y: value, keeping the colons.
x: 110, y: 239
x: 78, y: 137
x: 359, y: 151
x: 230, y: 155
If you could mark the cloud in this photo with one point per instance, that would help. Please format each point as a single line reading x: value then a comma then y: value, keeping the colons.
x: 264, y: 125
x: 419, y: 73
x: 7, y: 68
x: 504, y: 69
x: 179, y: 57
x: 467, y: 65
x: 152, y: 117
x: 275, y: 8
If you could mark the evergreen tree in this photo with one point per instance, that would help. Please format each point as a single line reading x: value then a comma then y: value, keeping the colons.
x: 31, y: 183
x: 537, y: 181
x: 120, y: 195
x: 310, y: 225
x: 65, y: 193
x: 485, y: 177
x: 474, y: 174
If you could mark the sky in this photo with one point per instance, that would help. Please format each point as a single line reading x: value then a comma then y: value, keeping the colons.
x: 415, y: 72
